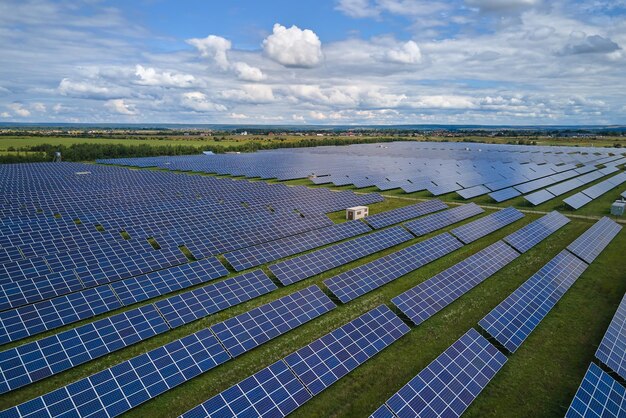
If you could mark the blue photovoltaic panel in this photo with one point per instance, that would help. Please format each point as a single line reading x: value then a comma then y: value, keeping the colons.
x: 473, y: 191
x: 394, y: 216
x: 24, y: 321
x: 367, y: 277
x: 440, y: 220
x: 612, y: 349
x: 532, y: 234
x: 272, y: 392
x: 599, y: 396
x: 169, y: 280
x: 518, y: 315
x: 539, y: 197
x: 26, y: 291
x: 307, y: 265
x: 203, y: 301
x: 486, y: 225
x: 431, y: 296
x: 448, y: 385
x: 383, y: 412
x: 504, y: 194
x: 249, y: 257
x: 590, y: 244
x: 255, y: 327
x: 37, y: 360
x: 328, y: 359
x: 577, y: 201
x: 124, y: 386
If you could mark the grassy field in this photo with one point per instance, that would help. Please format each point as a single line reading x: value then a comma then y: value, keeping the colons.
x: 539, y: 380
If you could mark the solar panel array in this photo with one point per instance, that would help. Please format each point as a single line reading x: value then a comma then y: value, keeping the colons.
x: 429, y: 297
x: 516, y: 317
x: 448, y: 385
x: 599, y: 395
x: 580, y: 199
x: 282, y: 387
x: 612, y: 348
x: 442, y: 219
x: 42, y: 358
x: 363, y: 279
x: 504, y: 194
x: 394, y: 216
x: 310, y: 264
x: 253, y: 328
x: 126, y: 385
x: 249, y: 257
x: 594, y: 240
x: 479, y: 228
x: 532, y: 234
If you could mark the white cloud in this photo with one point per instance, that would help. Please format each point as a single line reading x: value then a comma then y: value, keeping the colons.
x: 293, y: 47
x: 502, y: 5
x: 121, y: 107
x: 18, y: 109
x: 247, y: 72
x: 238, y: 116
x: 357, y: 8
x: 443, y: 102
x: 250, y: 93
x: 594, y: 44
x: 38, y: 107
x: 148, y: 76
x: 214, y: 47
x: 5, y: 115
x: 86, y: 89
x: 408, y: 53
x: 199, y: 102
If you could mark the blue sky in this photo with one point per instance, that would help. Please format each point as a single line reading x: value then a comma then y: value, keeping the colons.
x: 314, y: 62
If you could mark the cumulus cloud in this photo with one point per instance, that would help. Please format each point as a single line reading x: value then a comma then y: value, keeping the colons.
x: 247, y: 72
x: 148, y: 76
x: 214, y: 47
x: 38, y: 107
x: 18, y: 109
x: 121, y: 107
x: 293, y: 47
x: 250, y: 93
x: 594, y: 44
x: 407, y: 53
x: 199, y: 102
x: 443, y: 102
x: 86, y: 89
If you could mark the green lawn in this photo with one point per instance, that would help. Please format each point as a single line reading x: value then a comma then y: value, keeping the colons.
x: 539, y: 380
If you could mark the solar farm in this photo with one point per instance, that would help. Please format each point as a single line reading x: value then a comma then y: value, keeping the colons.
x: 488, y: 280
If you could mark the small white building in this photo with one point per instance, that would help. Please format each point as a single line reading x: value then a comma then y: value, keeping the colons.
x: 618, y: 208
x: 357, y: 212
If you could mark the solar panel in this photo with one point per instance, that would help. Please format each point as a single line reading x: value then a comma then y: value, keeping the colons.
x: 479, y: 228
x: 442, y: 219
x: 161, y: 282
x: 591, y: 243
x: 516, y: 317
x: 24, y: 292
x: 577, y: 201
x: 116, y: 390
x: 310, y: 264
x: 504, y: 194
x: 328, y: 359
x: 429, y: 297
x: 448, y: 385
x: 599, y: 395
x: 271, y: 392
x: 253, y: 328
x: 539, y: 197
x: 383, y: 412
x: 473, y: 192
x: 203, y: 301
x: 532, y: 234
x: 249, y: 257
x: 612, y: 349
x: 28, y: 320
x: 37, y: 360
x: 367, y: 277
x: 394, y: 216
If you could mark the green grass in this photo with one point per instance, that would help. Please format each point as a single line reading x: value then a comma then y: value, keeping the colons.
x: 538, y: 380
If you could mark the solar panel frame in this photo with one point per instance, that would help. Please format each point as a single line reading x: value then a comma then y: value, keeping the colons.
x: 539, y: 197
x: 246, y: 331
x: 504, y: 194
x: 593, y: 241
x: 451, y: 382
x: 326, y: 360
x: 532, y: 234
x: 612, y: 348
x: 514, y: 319
x: 484, y: 226
x: 599, y: 395
x: 394, y: 216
